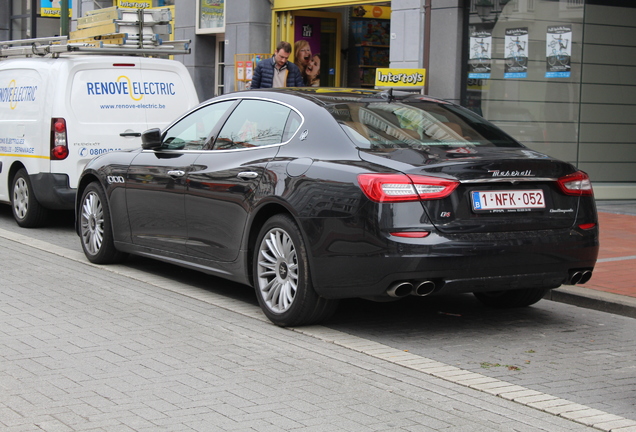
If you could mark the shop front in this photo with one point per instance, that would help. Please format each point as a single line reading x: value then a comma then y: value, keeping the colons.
x: 347, y: 40
x: 558, y: 76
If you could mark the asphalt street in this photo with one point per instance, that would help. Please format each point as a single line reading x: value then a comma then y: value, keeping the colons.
x: 143, y: 346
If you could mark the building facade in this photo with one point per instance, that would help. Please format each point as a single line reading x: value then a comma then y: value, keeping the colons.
x: 558, y: 75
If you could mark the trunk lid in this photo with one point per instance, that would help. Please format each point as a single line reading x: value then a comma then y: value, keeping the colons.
x: 494, y: 177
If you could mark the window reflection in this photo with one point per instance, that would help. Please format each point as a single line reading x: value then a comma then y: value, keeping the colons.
x: 193, y: 132
x: 253, y: 123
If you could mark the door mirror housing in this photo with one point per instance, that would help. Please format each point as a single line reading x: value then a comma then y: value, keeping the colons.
x: 151, y: 139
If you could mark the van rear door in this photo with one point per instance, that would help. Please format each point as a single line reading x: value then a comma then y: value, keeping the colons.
x: 113, y: 99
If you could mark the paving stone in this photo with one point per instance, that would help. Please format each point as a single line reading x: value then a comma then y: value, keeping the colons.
x: 125, y: 354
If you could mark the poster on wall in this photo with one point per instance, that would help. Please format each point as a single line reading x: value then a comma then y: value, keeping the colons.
x: 308, y: 28
x: 480, y: 59
x: 516, y: 46
x: 558, y: 51
x: 212, y: 14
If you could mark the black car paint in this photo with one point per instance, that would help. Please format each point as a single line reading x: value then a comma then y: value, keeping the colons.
x: 352, y: 253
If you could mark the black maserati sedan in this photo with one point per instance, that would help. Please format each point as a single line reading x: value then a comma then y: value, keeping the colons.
x: 315, y: 195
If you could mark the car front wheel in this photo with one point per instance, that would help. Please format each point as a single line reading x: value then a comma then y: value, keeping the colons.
x: 511, y: 299
x: 95, y: 227
x: 27, y: 211
x: 281, y: 276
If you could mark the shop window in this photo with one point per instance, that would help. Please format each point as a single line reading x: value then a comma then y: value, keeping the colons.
x: 210, y: 16
x: 370, y: 41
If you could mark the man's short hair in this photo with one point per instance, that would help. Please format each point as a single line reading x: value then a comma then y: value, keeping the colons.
x: 285, y: 46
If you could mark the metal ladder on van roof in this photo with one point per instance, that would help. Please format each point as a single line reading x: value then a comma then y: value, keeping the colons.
x: 112, y: 31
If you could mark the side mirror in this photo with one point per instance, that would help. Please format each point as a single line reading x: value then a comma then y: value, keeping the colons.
x: 151, y: 139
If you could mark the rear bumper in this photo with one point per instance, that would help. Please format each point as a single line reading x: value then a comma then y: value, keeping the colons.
x: 457, y: 263
x: 53, y: 191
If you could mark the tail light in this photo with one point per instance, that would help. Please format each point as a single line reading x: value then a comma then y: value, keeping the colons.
x: 59, y: 145
x: 401, y: 187
x: 576, y: 184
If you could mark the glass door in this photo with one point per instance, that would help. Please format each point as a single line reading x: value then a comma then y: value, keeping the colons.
x: 321, y: 31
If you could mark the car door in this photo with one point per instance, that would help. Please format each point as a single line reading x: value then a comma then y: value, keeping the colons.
x: 225, y: 183
x: 157, y: 180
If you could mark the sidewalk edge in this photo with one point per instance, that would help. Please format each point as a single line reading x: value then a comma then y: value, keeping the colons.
x: 594, y: 299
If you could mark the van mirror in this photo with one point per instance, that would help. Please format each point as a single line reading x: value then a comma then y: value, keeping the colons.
x: 151, y: 139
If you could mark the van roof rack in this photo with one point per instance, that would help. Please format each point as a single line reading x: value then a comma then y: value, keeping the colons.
x: 114, y: 31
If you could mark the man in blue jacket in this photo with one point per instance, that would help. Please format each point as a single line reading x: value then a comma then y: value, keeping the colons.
x: 277, y: 71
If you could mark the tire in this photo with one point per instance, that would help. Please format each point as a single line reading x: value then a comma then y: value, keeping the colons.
x: 511, y: 299
x: 281, y: 276
x: 96, y: 232
x: 27, y: 211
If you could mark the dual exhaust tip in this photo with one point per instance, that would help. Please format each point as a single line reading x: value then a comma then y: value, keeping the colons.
x: 579, y: 277
x: 424, y: 288
x: 404, y: 288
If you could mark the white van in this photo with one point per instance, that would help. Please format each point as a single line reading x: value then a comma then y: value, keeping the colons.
x: 57, y: 113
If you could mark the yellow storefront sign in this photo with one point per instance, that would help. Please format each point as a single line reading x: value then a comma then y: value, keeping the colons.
x: 134, y: 4
x: 52, y: 8
x: 405, y: 78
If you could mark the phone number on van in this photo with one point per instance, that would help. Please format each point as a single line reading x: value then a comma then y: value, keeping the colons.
x: 96, y: 152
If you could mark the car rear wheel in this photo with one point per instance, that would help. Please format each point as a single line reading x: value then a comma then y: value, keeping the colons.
x: 27, y: 211
x: 95, y: 227
x: 511, y: 299
x: 281, y: 276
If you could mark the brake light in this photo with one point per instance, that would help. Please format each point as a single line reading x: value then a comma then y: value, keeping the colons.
x: 59, y: 145
x: 587, y: 226
x: 411, y: 234
x: 401, y: 187
x: 576, y: 184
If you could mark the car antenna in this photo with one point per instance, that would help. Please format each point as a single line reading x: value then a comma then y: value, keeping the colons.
x: 388, y: 94
x: 384, y: 95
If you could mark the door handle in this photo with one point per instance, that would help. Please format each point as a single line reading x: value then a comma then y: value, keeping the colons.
x: 132, y: 134
x: 176, y: 173
x: 247, y: 175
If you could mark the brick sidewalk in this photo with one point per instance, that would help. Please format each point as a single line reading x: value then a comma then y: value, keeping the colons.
x: 615, y: 271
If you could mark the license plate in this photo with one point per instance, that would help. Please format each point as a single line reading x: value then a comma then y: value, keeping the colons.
x: 510, y: 200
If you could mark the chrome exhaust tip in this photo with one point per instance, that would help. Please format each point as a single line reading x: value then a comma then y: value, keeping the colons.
x: 400, y: 289
x: 424, y: 288
x: 585, y: 276
x: 575, y: 277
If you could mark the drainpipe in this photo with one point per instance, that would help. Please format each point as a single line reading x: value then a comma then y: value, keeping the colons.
x: 64, y: 20
x: 427, y: 41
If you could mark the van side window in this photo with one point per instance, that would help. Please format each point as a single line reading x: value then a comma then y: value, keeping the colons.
x: 193, y: 131
x: 253, y: 123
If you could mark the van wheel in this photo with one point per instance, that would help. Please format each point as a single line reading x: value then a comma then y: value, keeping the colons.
x: 282, y: 279
x: 27, y: 211
x: 96, y: 230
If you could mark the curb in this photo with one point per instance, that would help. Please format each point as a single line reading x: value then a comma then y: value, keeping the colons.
x: 594, y: 299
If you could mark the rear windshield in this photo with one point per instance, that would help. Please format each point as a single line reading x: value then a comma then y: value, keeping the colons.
x: 375, y: 125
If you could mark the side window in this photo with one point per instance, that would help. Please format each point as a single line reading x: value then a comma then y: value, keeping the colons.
x: 253, y: 123
x: 193, y: 131
x: 293, y: 123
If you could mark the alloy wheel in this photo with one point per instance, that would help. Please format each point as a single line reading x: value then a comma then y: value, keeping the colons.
x: 277, y: 270
x: 92, y: 223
